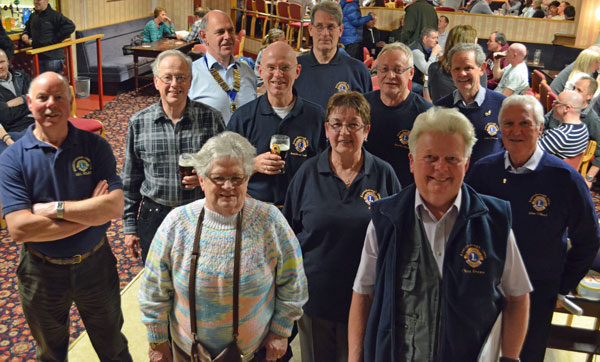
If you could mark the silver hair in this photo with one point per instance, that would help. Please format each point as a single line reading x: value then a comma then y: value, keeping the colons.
x: 225, y: 145
x: 171, y: 53
x: 524, y: 100
x: 398, y: 46
x: 468, y: 47
x: 443, y: 120
x: 331, y: 8
x: 60, y: 77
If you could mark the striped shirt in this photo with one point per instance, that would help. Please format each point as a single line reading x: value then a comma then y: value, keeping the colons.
x: 565, y: 141
x: 152, y: 151
x: 272, y: 290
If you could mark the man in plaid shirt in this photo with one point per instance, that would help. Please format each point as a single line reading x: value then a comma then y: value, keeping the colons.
x: 194, y: 34
x: 156, y: 137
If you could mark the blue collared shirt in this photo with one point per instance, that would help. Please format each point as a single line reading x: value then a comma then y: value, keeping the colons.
x: 477, y: 102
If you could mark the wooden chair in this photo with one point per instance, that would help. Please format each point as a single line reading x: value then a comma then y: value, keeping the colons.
x: 544, y: 91
x: 537, y: 78
x: 283, y: 10
x: 369, y: 62
x: 588, y: 156
x: 238, y: 48
x: 366, y: 54
x: 260, y: 6
x: 550, y: 100
x: 574, y: 161
x: 297, y: 16
x: 248, y: 9
x: 399, y: 4
x: 86, y: 124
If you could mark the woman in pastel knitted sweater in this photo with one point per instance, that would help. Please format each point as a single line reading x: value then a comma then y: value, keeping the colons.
x: 272, y: 286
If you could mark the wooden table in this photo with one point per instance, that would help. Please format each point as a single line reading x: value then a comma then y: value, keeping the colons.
x: 578, y: 339
x: 152, y: 50
x: 550, y: 74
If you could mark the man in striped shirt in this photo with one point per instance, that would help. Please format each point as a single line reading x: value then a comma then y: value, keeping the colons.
x: 156, y: 137
x: 571, y: 137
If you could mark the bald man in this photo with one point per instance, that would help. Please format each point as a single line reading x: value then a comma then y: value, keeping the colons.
x: 514, y: 78
x: 571, y: 137
x: 60, y: 190
x: 279, y: 111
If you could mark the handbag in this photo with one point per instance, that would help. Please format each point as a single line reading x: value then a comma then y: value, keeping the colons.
x: 232, y: 352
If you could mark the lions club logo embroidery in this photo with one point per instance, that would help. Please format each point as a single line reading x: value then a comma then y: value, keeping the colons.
x: 342, y: 87
x: 82, y: 166
x: 403, y: 138
x: 491, y: 128
x: 474, y: 256
x: 539, y: 202
x: 301, y: 144
x: 370, y: 196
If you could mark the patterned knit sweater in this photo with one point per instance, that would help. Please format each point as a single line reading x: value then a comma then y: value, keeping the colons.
x: 272, y: 281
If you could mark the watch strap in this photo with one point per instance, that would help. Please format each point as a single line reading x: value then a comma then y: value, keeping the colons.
x: 60, y: 209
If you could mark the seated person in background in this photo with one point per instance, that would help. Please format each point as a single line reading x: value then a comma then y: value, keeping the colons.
x: 353, y: 22
x: 157, y: 27
x: 571, y: 137
x: 511, y: 7
x: 587, y: 63
x: 526, y: 6
x: 454, y: 4
x: 552, y: 10
x: 272, y: 36
x: 194, y: 34
x: 395, y: 34
x: 538, y: 12
x: 570, y: 12
x: 586, y: 87
x: 481, y: 7
x: 372, y: 38
x: 515, y: 77
x: 425, y: 52
x: 13, y: 106
x: 561, y: 11
x: 496, y: 44
x: 5, y: 43
x: 439, y: 82
x: 443, y: 22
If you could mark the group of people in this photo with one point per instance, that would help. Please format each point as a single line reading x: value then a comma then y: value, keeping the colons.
x: 365, y: 236
x: 556, y: 10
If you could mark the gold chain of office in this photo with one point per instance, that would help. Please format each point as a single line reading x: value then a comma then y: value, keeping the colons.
x: 236, y: 84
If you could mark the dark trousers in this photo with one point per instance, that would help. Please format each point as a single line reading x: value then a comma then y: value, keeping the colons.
x: 52, y: 65
x: 150, y: 217
x: 542, y: 302
x: 322, y: 340
x: 355, y: 50
x: 47, y: 292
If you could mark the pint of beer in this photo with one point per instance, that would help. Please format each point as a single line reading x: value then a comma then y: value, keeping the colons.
x: 280, y: 145
x: 186, y: 167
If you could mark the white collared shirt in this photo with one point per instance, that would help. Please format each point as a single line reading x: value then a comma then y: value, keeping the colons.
x: 529, y: 166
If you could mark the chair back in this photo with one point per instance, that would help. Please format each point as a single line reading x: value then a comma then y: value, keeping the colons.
x: 295, y: 11
x: 399, y: 4
x: 283, y: 10
x: 588, y: 156
x: 368, y: 62
x: 249, y: 5
x: 537, y: 78
x: 550, y: 100
x: 375, y: 82
x: 238, y: 47
x: 544, y: 91
x: 444, y: 8
x: 574, y: 161
x: 260, y: 6
x: 190, y: 21
x: 366, y: 54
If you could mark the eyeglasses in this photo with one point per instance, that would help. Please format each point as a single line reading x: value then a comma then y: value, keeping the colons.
x: 397, y: 71
x: 351, y: 127
x: 168, y: 79
x: 235, y: 180
x: 330, y: 28
x: 283, y: 69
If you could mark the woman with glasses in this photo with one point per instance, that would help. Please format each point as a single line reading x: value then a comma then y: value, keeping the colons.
x: 327, y: 205
x: 272, y: 284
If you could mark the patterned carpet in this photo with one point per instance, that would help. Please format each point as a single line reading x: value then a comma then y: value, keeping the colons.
x: 16, y: 343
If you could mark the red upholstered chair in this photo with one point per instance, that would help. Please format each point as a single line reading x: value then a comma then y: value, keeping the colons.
x: 444, y: 8
x: 537, y: 78
x: 366, y: 54
x: 261, y: 7
x: 200, y: 48
x: 544, y: 91
x: 550, y: 100
x: 369, y: 62
x: 399, y: 4
x: 92, y: 125
x: 283, y: 10
x: 296, y: 16
x: 574, y: 161
x: 238, y: 48
x: 375, y: 82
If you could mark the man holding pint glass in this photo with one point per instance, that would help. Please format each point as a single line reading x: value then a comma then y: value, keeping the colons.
x: 153, y: 182
x: 277, y: 121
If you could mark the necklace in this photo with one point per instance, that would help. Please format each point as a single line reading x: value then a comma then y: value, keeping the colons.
x: 232, y: 93
x: 349, y: 174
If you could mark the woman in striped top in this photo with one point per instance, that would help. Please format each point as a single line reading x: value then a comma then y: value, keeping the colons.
x: 272, y: 286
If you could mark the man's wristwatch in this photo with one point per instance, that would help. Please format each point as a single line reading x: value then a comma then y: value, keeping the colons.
x: 589, y: 178
x: 154, y: 345
x: 60, y: 209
